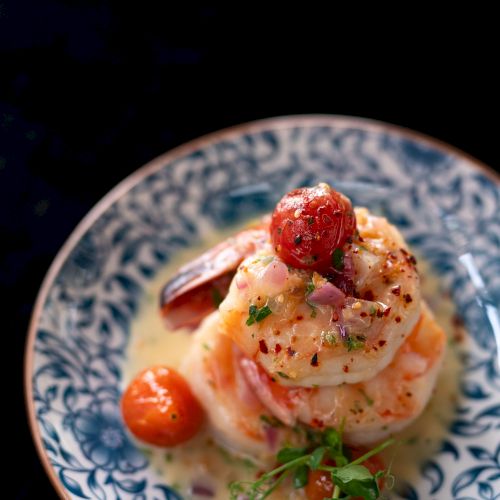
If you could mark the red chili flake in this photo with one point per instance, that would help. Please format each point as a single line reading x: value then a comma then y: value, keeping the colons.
x: 396, y: 291
x: 290, y: 351
x: 363, y: 314
x: 397, y: 319
x: 413, y: 260
x: 368, y: 295
x: 263, y: 347
x: 314, y: 359
x: 382, y: 343
x: 316, y: 422
x: 403, y: 251
x: 300, y: 317
x: 387, y: 312
x: 277, y: 348
x: 407, y: 298
x: 409, y: 394
x: 360, y: 238
x: 392, y: 256
x: 345, y: 368
x: 380, y: 313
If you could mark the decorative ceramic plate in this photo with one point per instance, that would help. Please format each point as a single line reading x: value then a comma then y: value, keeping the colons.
x: 446, y: 204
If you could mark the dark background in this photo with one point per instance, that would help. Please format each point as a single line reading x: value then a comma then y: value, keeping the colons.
x: 90, y: 91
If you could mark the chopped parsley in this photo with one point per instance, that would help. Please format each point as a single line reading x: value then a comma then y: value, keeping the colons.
x: 353, y: 343
x: 329, y: 338
x: 256, y: 315
x: 282, y: 375
x: 338, y: 259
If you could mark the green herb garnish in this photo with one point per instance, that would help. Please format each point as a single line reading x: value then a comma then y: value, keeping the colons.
x: 349, y: 477
x: 256, y: 315
x: 329, y: 338
x: 353, y: 343
x: 338, y: 259
x: 282, y: 375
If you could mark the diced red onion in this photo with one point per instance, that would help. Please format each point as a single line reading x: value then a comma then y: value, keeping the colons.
x: 240, y: 282
x: 271, y: 437
x: 275, y: 273
x: 202, y: 490
x: 327, y: 295
x: 342, y: 331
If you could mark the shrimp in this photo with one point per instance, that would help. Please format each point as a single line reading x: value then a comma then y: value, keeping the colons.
x: 306, y: 331
x: 237, y: 419
x: 370, y: 410
x: 194, y: 291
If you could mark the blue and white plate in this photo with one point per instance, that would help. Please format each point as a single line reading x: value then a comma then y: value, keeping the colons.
x: 446, y: 204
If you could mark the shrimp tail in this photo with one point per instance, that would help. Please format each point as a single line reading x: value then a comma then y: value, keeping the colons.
x: 198, y: 287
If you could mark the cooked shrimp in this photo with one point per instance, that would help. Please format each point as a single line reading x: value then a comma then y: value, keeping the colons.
x: 191, y: 294
x: 371, y: 410
x: 303, y: 329
x: 236, y: 416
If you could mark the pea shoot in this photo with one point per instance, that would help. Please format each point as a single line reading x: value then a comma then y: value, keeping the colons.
x: 349, y: 477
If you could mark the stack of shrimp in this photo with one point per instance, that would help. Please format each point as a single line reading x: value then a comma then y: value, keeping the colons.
x: 321, y: 323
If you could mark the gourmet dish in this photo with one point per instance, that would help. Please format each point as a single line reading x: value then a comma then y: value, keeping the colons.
x: 309, y: 347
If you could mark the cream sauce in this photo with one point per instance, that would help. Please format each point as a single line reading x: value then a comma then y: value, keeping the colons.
x: 201, y: 461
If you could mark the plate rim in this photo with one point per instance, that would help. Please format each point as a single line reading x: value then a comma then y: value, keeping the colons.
x: 274, y: 123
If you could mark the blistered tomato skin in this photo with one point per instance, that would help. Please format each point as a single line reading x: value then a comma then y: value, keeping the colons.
x: 159, y: 408
x: 308, y: 224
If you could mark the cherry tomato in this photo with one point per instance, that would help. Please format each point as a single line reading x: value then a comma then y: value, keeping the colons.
x: 309, y: 224
x: 320, y: 484
x: 159, y: 408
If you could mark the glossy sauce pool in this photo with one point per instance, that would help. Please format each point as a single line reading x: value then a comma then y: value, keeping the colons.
x: 201, y: 462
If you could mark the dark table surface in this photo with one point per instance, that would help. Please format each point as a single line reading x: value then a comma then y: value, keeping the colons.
x: 91, y: 91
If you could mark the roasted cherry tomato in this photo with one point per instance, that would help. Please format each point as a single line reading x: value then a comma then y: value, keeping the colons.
x: 159, y: 407
x: 320, y: 484
x: 309, y: 224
